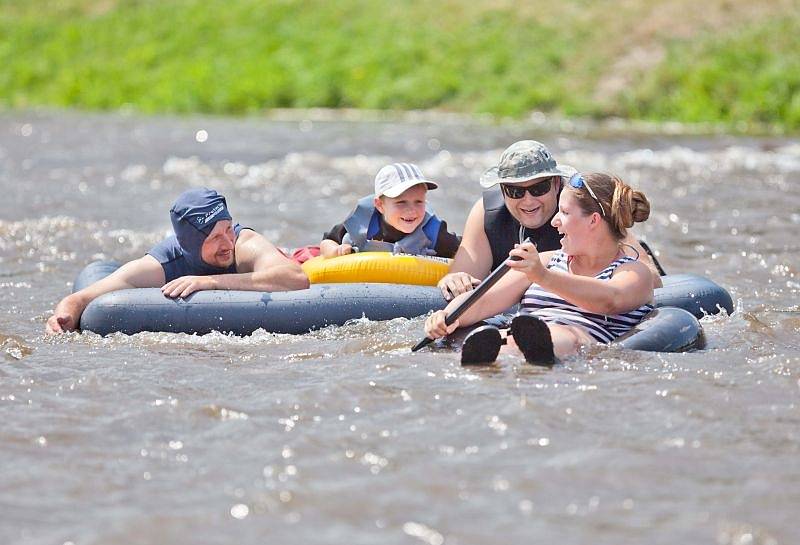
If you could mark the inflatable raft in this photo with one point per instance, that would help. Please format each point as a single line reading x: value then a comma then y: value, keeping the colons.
x: 377, y: 267
x: 672, y: 327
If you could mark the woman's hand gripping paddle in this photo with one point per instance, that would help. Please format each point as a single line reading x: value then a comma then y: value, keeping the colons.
x: 476, y: 294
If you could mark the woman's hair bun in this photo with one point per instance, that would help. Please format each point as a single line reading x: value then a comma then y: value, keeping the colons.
x: 640, y: 207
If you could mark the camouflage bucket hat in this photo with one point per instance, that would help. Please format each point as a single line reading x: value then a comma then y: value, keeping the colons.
x: 524, y: 161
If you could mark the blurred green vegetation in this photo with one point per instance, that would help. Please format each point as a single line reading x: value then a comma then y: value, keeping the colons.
x: 750, y: 76
x: 480, y: 56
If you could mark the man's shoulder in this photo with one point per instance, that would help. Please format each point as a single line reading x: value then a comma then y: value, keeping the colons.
x: 247, y: 231
x: 247, y: 234
x: 251, y: 245
x: 492, y: 199
x: 476, y: 212
x: 167, y: 250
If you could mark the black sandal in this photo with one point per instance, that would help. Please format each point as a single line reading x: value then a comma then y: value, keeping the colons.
x: 533, y: 339
x: 481, y: 346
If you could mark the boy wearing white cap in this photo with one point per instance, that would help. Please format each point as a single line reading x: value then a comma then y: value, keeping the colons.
x: 393, y: 219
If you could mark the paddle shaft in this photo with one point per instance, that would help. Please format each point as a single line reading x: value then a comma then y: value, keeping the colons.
x: 487, y: 283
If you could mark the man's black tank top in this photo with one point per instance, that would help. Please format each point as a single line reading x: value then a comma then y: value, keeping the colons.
x: 502, y: 229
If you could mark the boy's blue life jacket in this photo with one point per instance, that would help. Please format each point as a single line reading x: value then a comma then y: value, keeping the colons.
x: 365, y: 222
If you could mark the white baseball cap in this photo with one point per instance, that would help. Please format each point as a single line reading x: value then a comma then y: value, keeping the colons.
x: 392, y: 180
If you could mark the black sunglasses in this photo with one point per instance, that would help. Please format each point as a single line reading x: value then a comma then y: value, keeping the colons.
x: 517, y: 192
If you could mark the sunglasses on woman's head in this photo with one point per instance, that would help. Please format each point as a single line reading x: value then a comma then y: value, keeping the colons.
x: 517, y: 192
x: 578, y: 182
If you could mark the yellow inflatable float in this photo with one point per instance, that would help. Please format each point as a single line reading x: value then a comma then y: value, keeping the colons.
x: 377, y: 267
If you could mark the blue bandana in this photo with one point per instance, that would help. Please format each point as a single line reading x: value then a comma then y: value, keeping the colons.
x: 193, y: 217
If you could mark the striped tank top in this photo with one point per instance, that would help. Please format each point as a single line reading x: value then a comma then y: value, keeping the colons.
x: 553, y: 309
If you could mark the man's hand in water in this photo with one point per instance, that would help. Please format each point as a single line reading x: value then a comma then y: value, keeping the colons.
x: 454, y: 284
x: 61, y: 323
x: 66, y: 316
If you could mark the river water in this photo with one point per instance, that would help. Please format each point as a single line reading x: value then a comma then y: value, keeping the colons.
x: 343, y: 435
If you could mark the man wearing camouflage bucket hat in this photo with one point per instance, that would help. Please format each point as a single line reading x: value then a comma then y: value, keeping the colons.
x: 519, y: 201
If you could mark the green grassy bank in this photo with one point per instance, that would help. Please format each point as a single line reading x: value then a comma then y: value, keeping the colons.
x: 735, y: 64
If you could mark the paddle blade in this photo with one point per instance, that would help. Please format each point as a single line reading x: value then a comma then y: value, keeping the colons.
x: 479, y: 290
x: 422, y: 344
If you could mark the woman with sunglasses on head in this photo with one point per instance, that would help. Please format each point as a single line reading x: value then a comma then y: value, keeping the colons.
x: 593, y: 289
x: 519, y: 202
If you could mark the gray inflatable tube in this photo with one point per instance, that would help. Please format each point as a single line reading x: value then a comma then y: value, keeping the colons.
x: 672, y: 327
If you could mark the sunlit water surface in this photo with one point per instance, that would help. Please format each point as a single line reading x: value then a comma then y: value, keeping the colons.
x: 344, y: 436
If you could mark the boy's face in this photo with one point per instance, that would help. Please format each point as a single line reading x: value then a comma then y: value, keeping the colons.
x: 406, y: 211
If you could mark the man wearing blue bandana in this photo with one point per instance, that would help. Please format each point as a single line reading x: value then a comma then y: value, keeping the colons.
x: 207, y: 252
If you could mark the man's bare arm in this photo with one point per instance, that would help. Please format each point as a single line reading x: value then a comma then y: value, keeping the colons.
x: 144, y: 272
x: 473, y: 260
x: 260, y: 265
